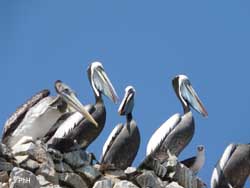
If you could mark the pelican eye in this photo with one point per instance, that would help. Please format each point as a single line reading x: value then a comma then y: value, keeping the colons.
x: 66, y: 90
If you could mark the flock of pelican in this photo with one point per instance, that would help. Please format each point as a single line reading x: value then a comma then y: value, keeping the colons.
x: 65, y: 124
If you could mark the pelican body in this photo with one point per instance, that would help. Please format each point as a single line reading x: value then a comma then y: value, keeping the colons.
x: 233, y: 169
x: 123, y: 143
x: 37, y: 115
x: 75, y: 128
x: 175, y: 134
x: 196, y: 163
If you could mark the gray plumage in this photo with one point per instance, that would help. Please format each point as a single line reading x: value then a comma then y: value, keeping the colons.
x: 76, y: 128
x: 123, y: 143
x: 14, y: 120
x: 233, y: 169
x: 196, y: 163
x: 175, y: 134
x: 35, y: 118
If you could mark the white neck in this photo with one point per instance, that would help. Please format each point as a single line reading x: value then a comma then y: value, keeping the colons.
x: 199, y: 162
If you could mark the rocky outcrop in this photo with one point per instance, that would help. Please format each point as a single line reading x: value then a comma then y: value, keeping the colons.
x: 33, y: 165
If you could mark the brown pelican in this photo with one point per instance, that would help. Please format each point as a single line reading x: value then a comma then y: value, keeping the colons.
x: 233, y: 168
x: 123, y: 143
x: 178, y: 130
x: 75, y: 127
x: 196, y: 163
x: 35, y: 118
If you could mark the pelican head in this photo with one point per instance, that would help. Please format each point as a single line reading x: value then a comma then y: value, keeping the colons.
x: 127, y: 103
x: 100, y: 81
x: 69, y: 96
x: 200, y: 148
x: 187, y: 95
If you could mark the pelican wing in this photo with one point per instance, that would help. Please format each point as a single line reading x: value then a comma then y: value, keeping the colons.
x: 115, y: 132
x: 14, y: 120
x: 221, y: 164
x: 67, y: 123
x: 54, y: 128
x: 189, y: 162
x: 161, y: 133
x: 226, y: 155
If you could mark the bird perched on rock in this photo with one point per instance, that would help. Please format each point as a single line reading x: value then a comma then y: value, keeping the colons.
x: 123, y: 143
x: 233, y: 168
x: 175, y: 134
x: 76, y: 128
x: 35, y: 118
x: 196, y: 163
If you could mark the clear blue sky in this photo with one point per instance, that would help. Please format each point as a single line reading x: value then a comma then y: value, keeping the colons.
x: 139, y: 43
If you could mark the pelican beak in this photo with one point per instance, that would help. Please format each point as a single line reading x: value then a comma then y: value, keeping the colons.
x: 190, y: 95
x: 127, y: 104
x: 103, y: 83
x: 70, y: 98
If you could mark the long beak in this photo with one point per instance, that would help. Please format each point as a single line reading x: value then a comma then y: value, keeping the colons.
x: 72, y: 100
x: 194, y: 100
x: 104, y: 84
x: 125, y: 105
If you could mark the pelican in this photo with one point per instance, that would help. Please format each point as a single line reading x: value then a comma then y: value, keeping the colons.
x: 178, y: 130
x: 75, y: 128
x: 37, y: 115
x: 123, y: 143
x: 233, y: 169
x: 196, y: 163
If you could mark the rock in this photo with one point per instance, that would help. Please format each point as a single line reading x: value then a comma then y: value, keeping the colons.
x: 20, y: 178
x: 131, y: 173
x: 62, y: 167
x: 30, y: 165
x: 24, y: 140
x: 171, y: 165
x: 39, y: 154
x: 46, y: 184
x: 97, y: 167
x: 3, y: 149
x: 74, y: 169
x: 3, y: 160
x: 42, y: 181
x: 52, y: 186
x: 148, y: 179
x: 130, y: 170
x: 125, y: 184
x: 46, y: 164
x: 21, y: 158
x: 4, y: 185
x: 4, y: 177
x: 103, y: 184
x: 55, y: 155
x: 77, y: 158
x: 89, y: 172
x: 48, y: 171
x: 5, y: 152
x: 164, y: 183
x: 23, y: 149
x: 120, y: 174
x: 151, y: 163
x: 185, y: 177
x: 6, y: 166
x: 72, y: 180
x: 114, y: 180
x: 174, y: 185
